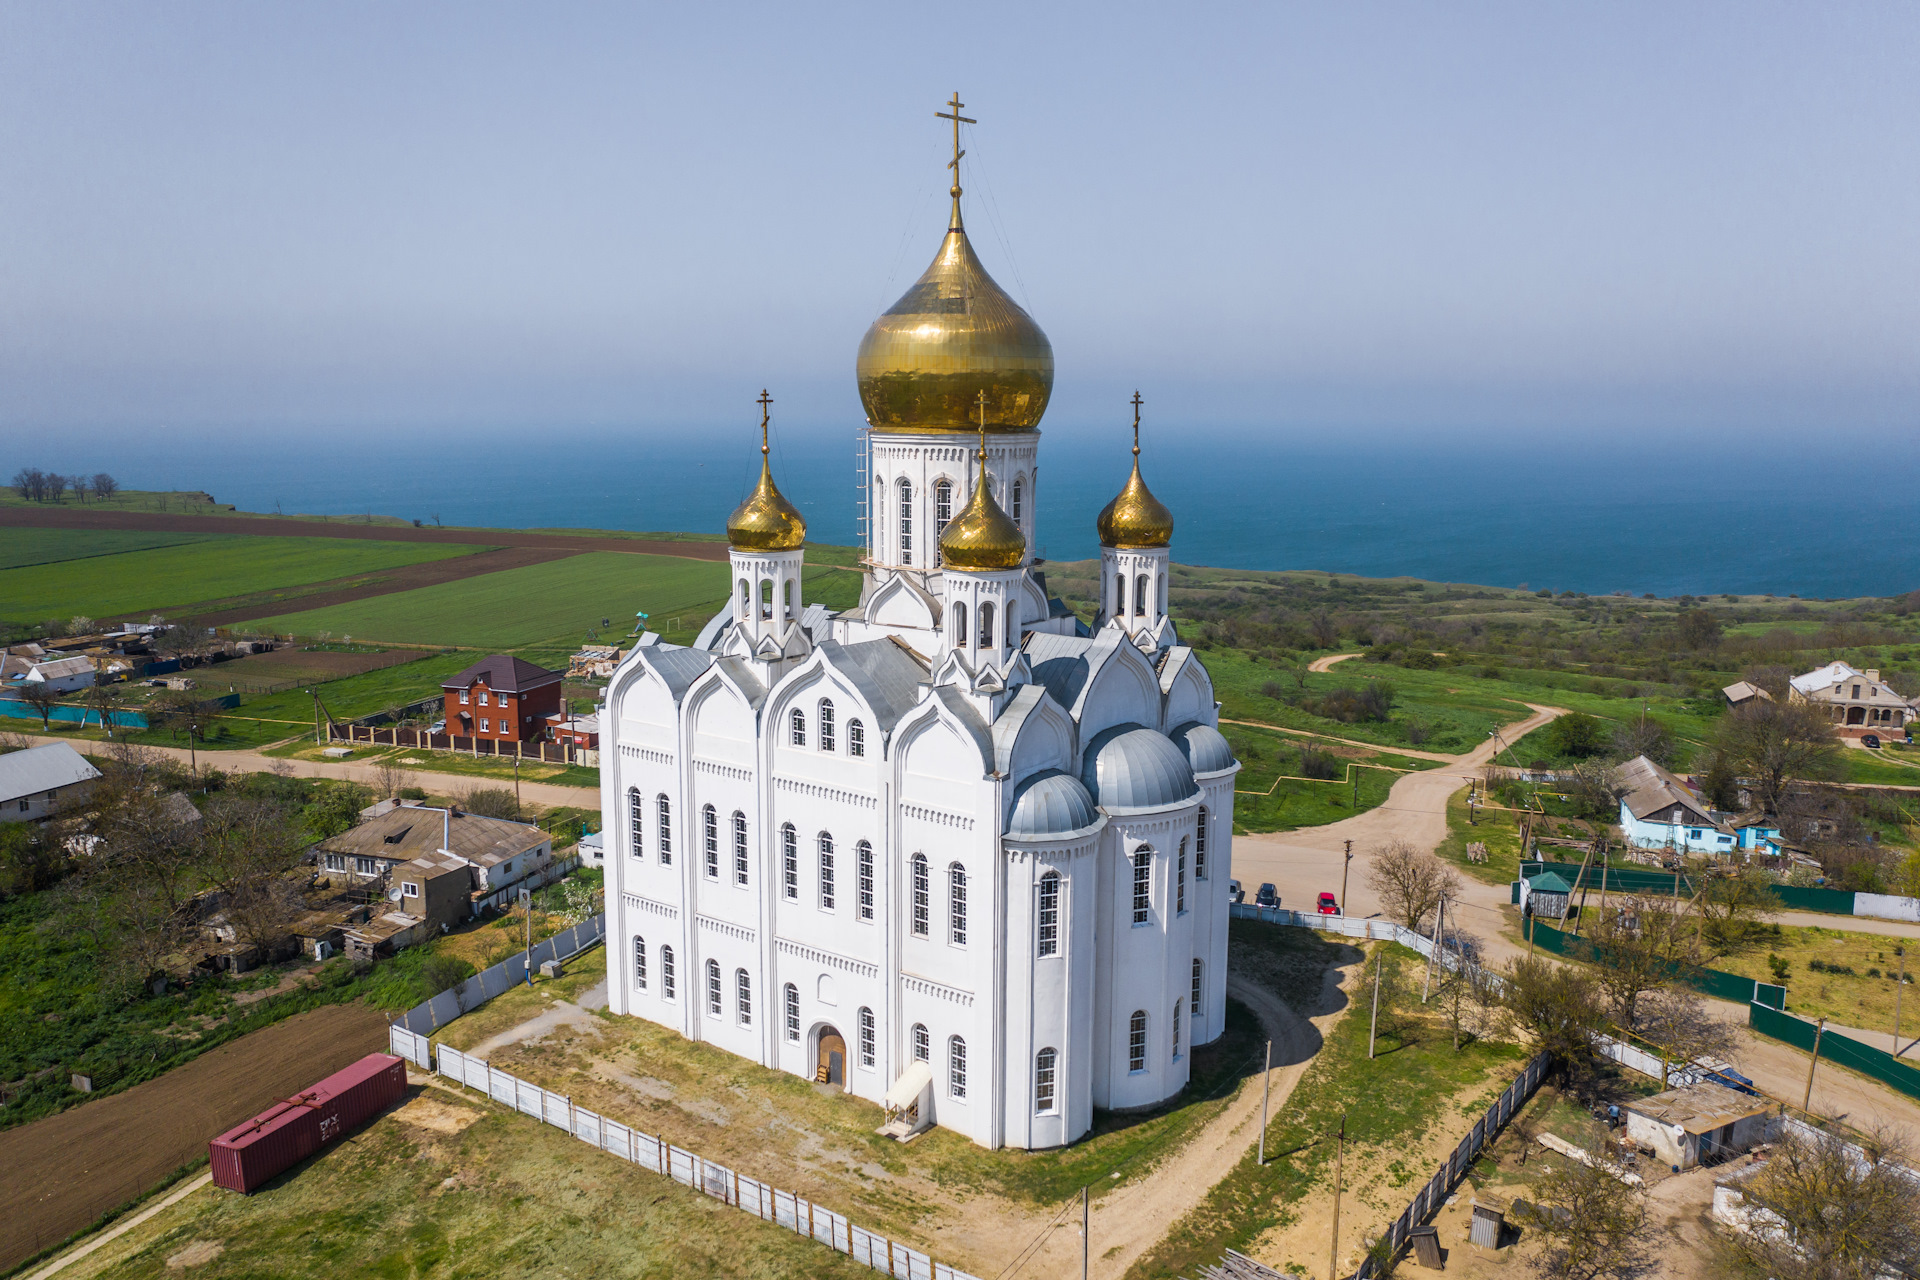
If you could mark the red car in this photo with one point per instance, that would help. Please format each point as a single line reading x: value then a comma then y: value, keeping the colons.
x: 1329, y: 905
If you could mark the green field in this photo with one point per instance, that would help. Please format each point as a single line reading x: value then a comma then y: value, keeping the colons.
x: 20, y: 547
x: 173, y: 577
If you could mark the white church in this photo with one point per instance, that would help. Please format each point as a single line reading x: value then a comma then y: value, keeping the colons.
x: 951, y: 850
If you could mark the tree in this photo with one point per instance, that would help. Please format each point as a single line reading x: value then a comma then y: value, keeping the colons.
x: 1823, y: 1209
x: 250, y: 844
x: 1643, y: 736
x: 43, y: 698
x: 1410, y: 882
x: 80, y: 625
x: 104, y: 485
x: 53, y: 485
x: 491, y: 802
x: 1639, y: 944
x: 104, y: 699
x: 80, y: 486
x: 1775, y: 744
x: 1469, y: 995
x: 1681, y: 1024
x: 1561, y: 1007
x: 1594, y: 787
x: 389, y: 776
x: 1602, y: 1233
x: 1576, y: 734
x: 1697, y: 629
x: 1729, y: 901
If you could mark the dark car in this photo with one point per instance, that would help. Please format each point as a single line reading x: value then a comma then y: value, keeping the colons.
x: 1234, y: 892
x: 1329, y: 905
x: 1267, y: 896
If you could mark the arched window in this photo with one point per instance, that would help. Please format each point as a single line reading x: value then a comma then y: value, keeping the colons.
x: 1049, y: 914
x: 956, y: 1067
x: 863, y: 870
x: 906, y: 521
x: 710, y: 841
x: 713, y: 989
x: 1019, y: 499
x: 636, y: 825
x: 1119, y: 595
x: 1180, y: 879
x: 789, y: 861
x: 1198, y: 987
x: 663, y: 811
x: 1043, y: 1081
x: 942, y: 512
x: 739, y: 847
x: 746, y: 599
x: 856, y: 738
x: 1176, y: 1031
x: 1200, y: 846
x: 798, y: 722
x: 922, y: 892
x: 826, y: 872
x: 790, y: 1002
x: 766, y: 597
x: 957, y: 625
x: 1140, y: 595
x: 1137, y: 1041
x: 826, y: 724
x: 666, y: 973
x: 957, y: 905
x: 986, y: 624
x: 743, y: 997
x: 922, y: 1043
x: 869, y: 1047
x: 639, y: 963
x: 1142, y: 883
x: 786, y: 592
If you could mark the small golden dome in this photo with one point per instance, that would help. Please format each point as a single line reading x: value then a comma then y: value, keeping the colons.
x: 982, y: 537
x: 1135, y: 518
x: 766, y: 521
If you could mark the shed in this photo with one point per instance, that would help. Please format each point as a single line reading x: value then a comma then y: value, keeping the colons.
x: 36, y: 782
x: 1545, y: 895
x: 1698, y: 1123
x: 436, y: 886
x: 1489, y: 1221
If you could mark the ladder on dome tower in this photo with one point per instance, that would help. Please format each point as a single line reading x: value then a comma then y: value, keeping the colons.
x: 863, y: 514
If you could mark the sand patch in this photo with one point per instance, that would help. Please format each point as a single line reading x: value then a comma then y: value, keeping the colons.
x: 431, y: 1113
x: 197, y: 1254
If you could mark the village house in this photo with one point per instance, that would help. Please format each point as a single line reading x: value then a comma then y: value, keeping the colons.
x: 62, y: 675
x: 502, y: 699
x: 1660, y: 811
x: 500, y: 856
x: 36, y: 783
x: 438, y: 887
x: 1698, y: 1123
x: 580, y: 732
x: 1856, y: 701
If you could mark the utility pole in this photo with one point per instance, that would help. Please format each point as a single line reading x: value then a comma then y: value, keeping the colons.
x: 1821, y: 1030
x: 1899, y: 983
x: 1439, y: 930
x: 526, y: 899
x: 1344, y: 868
x: 1266, y: 1090
x: 1339, y: 1167
x: 1379, y: 958
x: 516, y: 783
x: 1085, y: 1239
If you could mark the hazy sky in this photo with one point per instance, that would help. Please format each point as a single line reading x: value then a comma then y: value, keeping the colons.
x: 1575, y: 217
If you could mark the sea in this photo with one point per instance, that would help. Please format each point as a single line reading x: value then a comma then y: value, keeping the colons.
x: 1595, y: 513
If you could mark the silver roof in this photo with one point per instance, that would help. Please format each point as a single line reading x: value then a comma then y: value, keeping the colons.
x: 37, y: 769
x: 1051, y: 803
x: 888, y: 676
x: 1206, y: 747
x: 1130, y: 768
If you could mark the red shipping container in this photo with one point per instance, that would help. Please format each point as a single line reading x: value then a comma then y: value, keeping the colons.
x: 294, y: 1128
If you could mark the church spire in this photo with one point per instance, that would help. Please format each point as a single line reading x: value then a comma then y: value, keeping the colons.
x: 954, y: 223
x: 766, y: 521
x: 1135, y: 518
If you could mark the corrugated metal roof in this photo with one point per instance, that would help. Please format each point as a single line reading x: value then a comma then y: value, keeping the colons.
x: 60, y: 668
x: 407, y: 834
x: 1651, y: 789
x: 38, y: 769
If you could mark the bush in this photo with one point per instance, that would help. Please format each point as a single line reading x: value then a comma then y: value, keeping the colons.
x: 1315, y: 763
x: 1272, y: 689
x: 1353, y: 706
x: 1576, y: 735
x: 491, y: 802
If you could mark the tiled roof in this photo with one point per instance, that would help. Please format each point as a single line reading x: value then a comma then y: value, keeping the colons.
x: 503, y: 674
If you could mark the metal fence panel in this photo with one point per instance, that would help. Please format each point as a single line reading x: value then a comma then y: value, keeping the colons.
x: 617, y: 1138
x: 557, y: 1110
x: 1845, y: 1050
x: 586, y: 1127
x: 786, y: 1210
x: 680, y: 1165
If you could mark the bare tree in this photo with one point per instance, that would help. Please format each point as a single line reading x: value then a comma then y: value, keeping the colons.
x: 1602, y: 1232
x: 390, y: 775
x: 250, y: 844
x: 1776, y: 744
x: 1409, y: 881
x: 1641, y: 943
x: 1728, y: 903
x: 1561, y: 1007
x: 80, y: 486
x: 53, y: 485
x: 104, y: 485
x: 1680, y: 1024
x: 43, y: 698
x: 1822, y: 1209
x: 1469, y: 995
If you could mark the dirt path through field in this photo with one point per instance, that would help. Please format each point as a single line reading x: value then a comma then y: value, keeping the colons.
x: 1323, y: 665
x: 365, y: 586
x: 60, y: 1173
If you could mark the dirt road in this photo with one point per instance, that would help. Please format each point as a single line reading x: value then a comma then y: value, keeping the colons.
x: 1326, y: 664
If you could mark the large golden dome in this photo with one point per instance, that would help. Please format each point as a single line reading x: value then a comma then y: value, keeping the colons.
x: 766, y: 521
x: 953, y: 335
x: 1135, y: 518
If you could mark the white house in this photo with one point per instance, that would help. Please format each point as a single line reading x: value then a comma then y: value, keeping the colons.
x: 1854, y: 699
x: 36, y: 782
x: 62, y: 675
x: 951, y: 839
x: 1659, y: 811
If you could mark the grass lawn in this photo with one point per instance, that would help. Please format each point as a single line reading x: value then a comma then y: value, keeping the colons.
x: 1498, y: 829
x: 1863, y: 998
x: 158, y: 579
x: 1264, y: 800
x: 454, y: 1185
x: 1391, y: 1103
x: 516, y: 607
x: 19, y: 547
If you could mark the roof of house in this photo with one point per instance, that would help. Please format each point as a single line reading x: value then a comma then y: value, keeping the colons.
x: 1547, y: 882
x: 431, y: 866
x: 1832, y: 673
x: 1700, y: 1108
x: 408, y: 833
x: 504, y: 674
x: 60, y: 668
x: 1740, y: 691
x: 37, y: 769
x: 1651, y: 789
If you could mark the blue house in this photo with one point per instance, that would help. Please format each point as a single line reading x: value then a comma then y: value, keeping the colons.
x: 1659, y: 811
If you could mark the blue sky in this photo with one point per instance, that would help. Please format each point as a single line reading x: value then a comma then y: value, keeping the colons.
x: 1570, y: 219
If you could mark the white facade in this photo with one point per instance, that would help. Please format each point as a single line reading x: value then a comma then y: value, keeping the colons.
x: 892, y: 833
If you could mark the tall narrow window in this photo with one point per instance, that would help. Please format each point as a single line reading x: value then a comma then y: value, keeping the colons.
x: 922, y: 1043
x: 639, y: 963
x: 826, y: 872
x: 863, y: 870
x: 663, y: 810
x: 1137, y: 1041
x: 856, y: 738
x: 906, y: 522
x: 743, y: 997
x: 956, y: 1067
x: 1142, y: 883
x: 713, y: 989
x: 798, y: 721
x: 957, y: 624
x: 942, y: 512
x: 1200, y: 846
x: 1019, y: 499
x: 986, y: 624
x: 922, y: 892
x: 1176, y: 1030
x: 739, y: 847
x: 746, y: 600
x: 957, y: 905
x: 869, y: 1046
x: 666, y: 973
x: 1049, y: 939
x: 710, y: 841
x: 826, y: 725
x: 1043, y: 1081
x: 1119, y: 595
x: 1194, y: 1004
x: 1140, y: 595
x: 789, y: 861
x: 1180, y: 879
x: 790, y: 1002
x: 636, y: 824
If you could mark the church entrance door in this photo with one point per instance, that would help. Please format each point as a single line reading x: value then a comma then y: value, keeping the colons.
x: 833, y: 1058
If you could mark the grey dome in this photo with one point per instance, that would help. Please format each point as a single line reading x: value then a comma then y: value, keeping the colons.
x: 1050, y: 803
x: 1206, y: 747
x: 1130, y: 767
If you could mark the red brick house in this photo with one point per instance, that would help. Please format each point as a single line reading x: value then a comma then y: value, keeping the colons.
x: 503, y: 699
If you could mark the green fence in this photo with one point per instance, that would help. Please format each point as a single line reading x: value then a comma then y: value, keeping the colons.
x: 1717, y: 983
x: 1836, y: 901
x: 1845, y: 1050
x: 1640, y: 880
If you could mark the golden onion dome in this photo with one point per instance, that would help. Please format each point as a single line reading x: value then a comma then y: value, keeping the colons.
x: 955, y: 334
x: 982, y: 537
x: 1135, y: 518
x: 766, y: 521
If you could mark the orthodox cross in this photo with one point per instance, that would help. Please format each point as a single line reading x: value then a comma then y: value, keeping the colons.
x: 1137, y: 402
x: 763, y: 402
x: 981, y: 399
x: 958, y: 120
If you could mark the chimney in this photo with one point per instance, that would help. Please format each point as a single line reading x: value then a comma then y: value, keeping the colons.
x: 1873, y: 675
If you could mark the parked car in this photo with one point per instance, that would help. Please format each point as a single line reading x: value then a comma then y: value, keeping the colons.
x: 1234, y: 892
x: 1266, y: 896
x: 1329, y: 905
x: 438, y: 726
